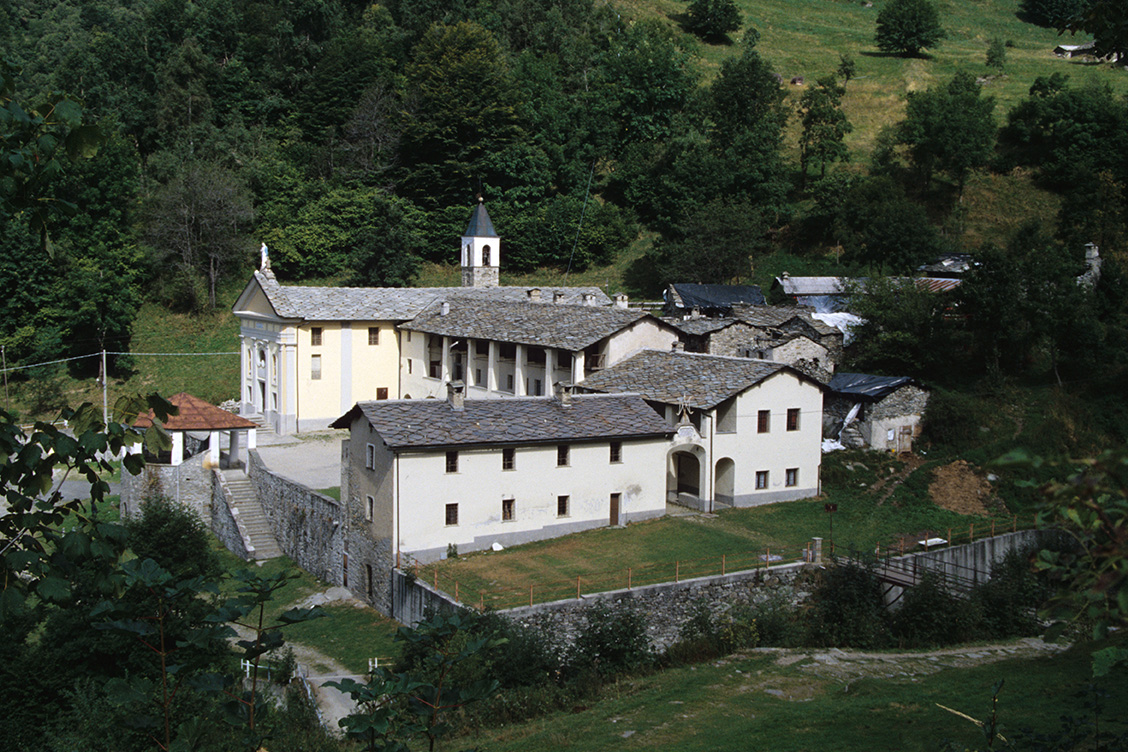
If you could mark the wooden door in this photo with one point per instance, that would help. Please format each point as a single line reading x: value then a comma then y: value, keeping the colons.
x: 615, y: 509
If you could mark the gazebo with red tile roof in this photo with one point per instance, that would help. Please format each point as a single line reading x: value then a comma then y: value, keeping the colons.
x: 197, y: 415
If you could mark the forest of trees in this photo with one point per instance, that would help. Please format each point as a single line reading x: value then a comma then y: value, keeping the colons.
x: 352, y: 138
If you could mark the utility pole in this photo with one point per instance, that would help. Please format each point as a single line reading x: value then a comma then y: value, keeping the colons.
x: 105, y: 401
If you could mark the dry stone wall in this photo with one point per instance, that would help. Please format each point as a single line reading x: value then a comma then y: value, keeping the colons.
x: 189, y: 484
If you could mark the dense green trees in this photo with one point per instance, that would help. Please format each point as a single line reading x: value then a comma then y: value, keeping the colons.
x: 906, y: 27
x: 713, y: 20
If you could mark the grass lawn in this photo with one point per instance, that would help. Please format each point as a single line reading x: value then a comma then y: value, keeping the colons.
x: 682, y: 547
x: 748, y: 702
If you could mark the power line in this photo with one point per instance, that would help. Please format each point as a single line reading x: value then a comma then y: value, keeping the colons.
x: 99, y: 354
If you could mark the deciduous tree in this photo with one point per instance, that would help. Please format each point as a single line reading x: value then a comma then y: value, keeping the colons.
x: 906, y: 27
x: 713, y: 20
x: 824, y: 126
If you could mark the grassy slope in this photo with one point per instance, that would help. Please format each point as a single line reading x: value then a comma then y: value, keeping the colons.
x: 732, y: 704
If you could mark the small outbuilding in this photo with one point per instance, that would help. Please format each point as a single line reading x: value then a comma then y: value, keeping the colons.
x: 876, y: 412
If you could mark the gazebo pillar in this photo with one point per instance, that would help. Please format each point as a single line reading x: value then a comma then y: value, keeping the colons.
x: 177, y: 448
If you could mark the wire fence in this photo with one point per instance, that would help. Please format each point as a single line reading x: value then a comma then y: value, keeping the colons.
x: 470, y: 593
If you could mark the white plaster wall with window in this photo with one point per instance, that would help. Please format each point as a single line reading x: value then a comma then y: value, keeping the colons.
x: 793, y: 444
x: 532, y: 491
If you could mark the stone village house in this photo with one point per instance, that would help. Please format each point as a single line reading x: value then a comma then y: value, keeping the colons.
x: 875, y: 412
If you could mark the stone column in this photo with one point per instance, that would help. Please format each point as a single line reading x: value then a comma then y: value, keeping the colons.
x: 549, y: 369
x: 468, y: 365
x: 519, y: 371
x: 213, y: 449
x: 577, y: 366
x: 445, y: 372
x: 233, y: 447
x: 492, y: 367
x: 177, y: 447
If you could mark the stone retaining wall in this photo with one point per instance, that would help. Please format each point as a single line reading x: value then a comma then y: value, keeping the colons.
x: 189, y: 484
x: 309, y: 526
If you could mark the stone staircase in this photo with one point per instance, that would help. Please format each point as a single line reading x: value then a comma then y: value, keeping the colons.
x: 260, y: 420
x: 251, y: 514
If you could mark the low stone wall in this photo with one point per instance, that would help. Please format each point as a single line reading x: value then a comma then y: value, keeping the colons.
x: 309, y: 527
x: 665, y: 607
x: 189, y: 483
x: 225, y: 523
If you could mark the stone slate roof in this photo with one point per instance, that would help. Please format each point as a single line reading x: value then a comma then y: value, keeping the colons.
x: 702, y: 381
x: 774, y: 316
x: 480, y: 225
x: 417, y: 424
x: 698, y: 326
x: 196, y: 415
x: 712, y: 297
x: 392, y: 303
x: 566, y: 327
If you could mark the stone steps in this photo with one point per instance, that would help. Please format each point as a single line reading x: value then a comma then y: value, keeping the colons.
x: 258, y: 528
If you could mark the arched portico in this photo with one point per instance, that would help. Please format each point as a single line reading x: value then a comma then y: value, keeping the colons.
x: 687, y: 480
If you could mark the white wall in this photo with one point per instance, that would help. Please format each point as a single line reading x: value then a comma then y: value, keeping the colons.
x: 480, y: 485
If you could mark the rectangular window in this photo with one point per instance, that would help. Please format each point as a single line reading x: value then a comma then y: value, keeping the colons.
x: 761, y: 479
x: 508, y: 458
x: 763, y: 421
x: 508, y: 508
x: 562, y: 506
x: 315, y: 367
x: 509, y: 382
x: 451, y: 514
x: 452, y: 462
x: 369, y: 505
x: 409, y: 365
x: 792, y: 476
x: 792, y: 419
x: 315, y: 336
x: 537, y: 388
x: 616, y: 451
x: 373, y: 335
x: 478, y: 376
x: 381, y: 392
x: 370, y: 457
x: 562, y: 455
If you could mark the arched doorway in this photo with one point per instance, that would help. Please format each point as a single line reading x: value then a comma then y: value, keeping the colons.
x: 724, y: 482
x: 686, y: 481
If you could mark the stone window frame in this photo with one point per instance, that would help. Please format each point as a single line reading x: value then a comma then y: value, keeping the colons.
x: 761, y: 480
x: 373, y: 336
x: 563, y: 506
x: 616, y: 452
x: 369, y: 506
x: 508, y: 509
x: 369, y: 456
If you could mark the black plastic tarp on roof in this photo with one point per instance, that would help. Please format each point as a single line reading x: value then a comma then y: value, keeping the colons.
x: 718, y: 296
x: 865, y: 386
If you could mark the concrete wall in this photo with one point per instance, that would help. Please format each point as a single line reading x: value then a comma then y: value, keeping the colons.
x: 189, y: 483
x: 308, y: 526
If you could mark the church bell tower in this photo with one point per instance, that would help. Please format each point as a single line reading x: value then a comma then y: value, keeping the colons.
x: 481, y: 250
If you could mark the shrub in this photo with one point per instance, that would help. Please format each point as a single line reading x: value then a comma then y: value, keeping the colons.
x: 931, y: 616
x: 613, y: 641
x: 846, y: 609
x: 1010, y: 599
x: 174, y: 537
x: 705, y: 636
x: 777, y: 623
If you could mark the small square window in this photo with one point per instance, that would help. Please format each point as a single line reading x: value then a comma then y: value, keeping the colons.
x: 763, y: 421
x: 369, y: 505
x: 792, y: 419
x: 761, y: 479
x: 792, y: 476
x: 315, y: 336
x: 562, y: 455
x: 508, y: 458
x: 562, y: 506
x: 508, y: 510
x: 451, y: 514
x: 616, y: 451
x: 452, y: 462
x: 370, y: 456
x: 315, y: 368
x: 373, y: 335
x: 381, y: 392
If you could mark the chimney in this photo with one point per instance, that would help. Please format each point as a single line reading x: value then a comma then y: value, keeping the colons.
x: 785, y: 275
x: 564, y: 391
x: 444, y: 308
x: 558, y: 297
x: 456, y: 395
x: 534, y: 295
x: 695, y: 313
x: 620, y: 300
x: 678, y: 346
x: 589, y: 299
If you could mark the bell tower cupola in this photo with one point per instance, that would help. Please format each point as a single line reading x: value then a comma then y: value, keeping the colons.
x: 481, y: 250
